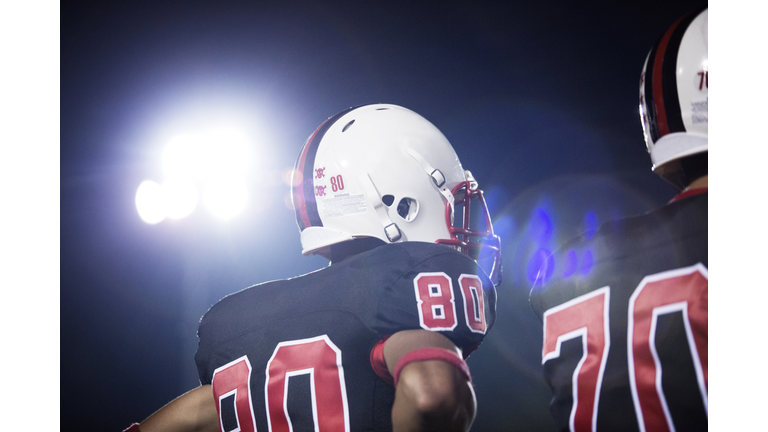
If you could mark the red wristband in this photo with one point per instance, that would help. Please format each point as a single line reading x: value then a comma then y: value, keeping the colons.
x: 433, y: 354
x: 378, y: 363
x: 133, y: 428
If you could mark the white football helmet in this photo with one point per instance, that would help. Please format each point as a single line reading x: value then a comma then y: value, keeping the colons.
x: 674, y: 91
x: 384, y: 171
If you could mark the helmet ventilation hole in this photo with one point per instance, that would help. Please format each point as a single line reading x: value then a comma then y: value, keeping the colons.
x: 347, y: 126
x: 407, y: 208
x: 388, y: 200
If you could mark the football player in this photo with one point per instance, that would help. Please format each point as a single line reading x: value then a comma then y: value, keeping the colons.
x: 625, y: 345
x: 376, y: 341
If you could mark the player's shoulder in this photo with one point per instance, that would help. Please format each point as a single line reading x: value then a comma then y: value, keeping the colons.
x: 428, y: 257
x: 420, y: 251
x: 681, y: 218
x: 633, y: 242
x: 690, y: 212
x: 407, y: 254
x: 250, y: 298
x: 396, y: 263
x: 672, y: 222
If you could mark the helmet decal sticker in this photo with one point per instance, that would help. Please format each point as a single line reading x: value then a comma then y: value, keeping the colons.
x: 304, y: 193
x: 344, y: 204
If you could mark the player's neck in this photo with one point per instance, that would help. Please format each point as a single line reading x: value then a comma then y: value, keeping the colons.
x: 342, y: 251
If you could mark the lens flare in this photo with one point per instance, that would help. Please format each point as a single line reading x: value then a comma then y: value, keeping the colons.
x: 150, y: 202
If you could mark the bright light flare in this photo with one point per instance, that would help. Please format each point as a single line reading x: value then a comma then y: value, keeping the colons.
x: 180, y: 197
x: 182, y: 157
x: 209, y: 154
x: 226, y: 197
x: 227, y: 152
x: 220, y: 158
x: 292, y: 177
x: 150, y: 202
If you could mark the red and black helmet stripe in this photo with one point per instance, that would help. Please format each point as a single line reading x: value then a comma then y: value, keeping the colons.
x: 664, y: 115
x: 303, y: 194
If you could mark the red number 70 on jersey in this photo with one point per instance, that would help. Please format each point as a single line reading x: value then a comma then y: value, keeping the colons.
x: 586, y: 317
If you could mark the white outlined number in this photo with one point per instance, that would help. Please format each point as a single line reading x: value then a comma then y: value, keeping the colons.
x: 318, y: 357
x: 233, y: 379
x: 474, y: 306
x: 585, y: 317
x: 437, y: 305
x: 321, y: 359
x: 681, y: 290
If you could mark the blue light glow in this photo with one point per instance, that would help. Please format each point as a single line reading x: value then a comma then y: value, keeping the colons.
x: 590, y: 222
x: 504, y: 226
x: 535, y: 264
x: 586, y: 262
x: 571, y: 262
x: 541, y: 227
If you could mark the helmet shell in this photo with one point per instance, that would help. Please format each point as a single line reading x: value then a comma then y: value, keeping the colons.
x: 360, y: 173
x: 674, y: 91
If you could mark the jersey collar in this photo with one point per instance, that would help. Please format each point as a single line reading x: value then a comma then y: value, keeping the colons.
x: 689, y: 193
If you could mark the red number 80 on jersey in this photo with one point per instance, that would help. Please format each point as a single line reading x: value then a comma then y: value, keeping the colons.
x: 437, y: 306
x: 321, y: 359
x: 317, y: 357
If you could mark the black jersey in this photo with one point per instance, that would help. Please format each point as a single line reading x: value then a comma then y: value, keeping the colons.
x: 296, y: 354
x: 624, y: 311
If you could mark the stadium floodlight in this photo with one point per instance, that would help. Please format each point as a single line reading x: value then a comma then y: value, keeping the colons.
x: 226, y: 153
x: 150, y: 202
x: 180, y: 195
x: 226, y: 197
x: 219, y: 158
x: 183, y: 156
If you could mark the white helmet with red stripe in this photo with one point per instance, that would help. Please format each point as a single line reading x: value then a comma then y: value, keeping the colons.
x: 674, y: 92
x: 384, y: 171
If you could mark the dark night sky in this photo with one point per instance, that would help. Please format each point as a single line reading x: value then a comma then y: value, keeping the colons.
x: 539, y: 99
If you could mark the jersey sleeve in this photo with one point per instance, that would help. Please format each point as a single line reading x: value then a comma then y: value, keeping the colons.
x: 443, y: 292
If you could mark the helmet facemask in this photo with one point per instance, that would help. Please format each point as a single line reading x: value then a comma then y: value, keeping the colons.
x: 471, y: 230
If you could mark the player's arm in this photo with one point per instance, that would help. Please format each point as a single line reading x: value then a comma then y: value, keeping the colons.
x: 432, y: 389
x: 194, y: 411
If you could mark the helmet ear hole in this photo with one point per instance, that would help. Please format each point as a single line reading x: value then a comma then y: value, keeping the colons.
x: 407, y: 208
x: 388, y: 200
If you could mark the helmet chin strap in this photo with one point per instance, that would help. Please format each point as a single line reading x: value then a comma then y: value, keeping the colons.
x: 471, y: 180
x: 391, y: 229
x: 437, y: 176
